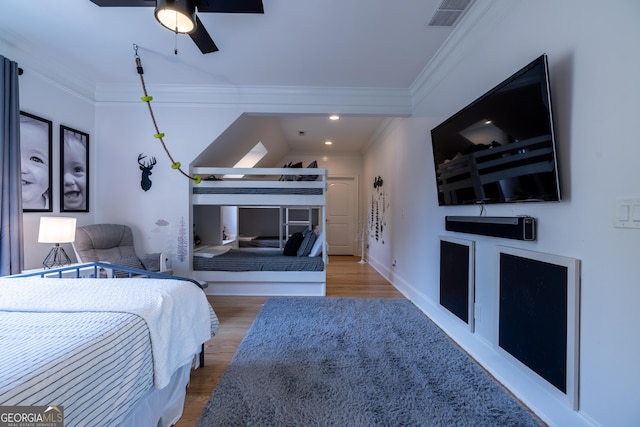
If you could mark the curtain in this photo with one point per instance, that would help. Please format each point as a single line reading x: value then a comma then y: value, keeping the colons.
x: 11, y: 229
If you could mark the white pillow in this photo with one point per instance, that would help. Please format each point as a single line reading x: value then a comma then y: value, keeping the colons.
x: 316, y: 250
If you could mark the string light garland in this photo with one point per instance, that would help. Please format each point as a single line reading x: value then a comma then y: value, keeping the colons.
x: 197, y: 179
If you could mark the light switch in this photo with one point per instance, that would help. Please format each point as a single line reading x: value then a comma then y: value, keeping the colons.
x: 623, y: 212
x: 627, y: 213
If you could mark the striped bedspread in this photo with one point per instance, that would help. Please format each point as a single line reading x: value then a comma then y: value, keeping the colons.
x: 95, y: 346
x: 254, y: 259
x: 95, y: 365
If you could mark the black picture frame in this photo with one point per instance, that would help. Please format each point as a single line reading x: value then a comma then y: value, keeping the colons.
x: 74, y: 170
x: 35, y: 159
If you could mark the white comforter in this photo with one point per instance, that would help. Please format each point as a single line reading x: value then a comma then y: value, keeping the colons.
x: 176, y: 312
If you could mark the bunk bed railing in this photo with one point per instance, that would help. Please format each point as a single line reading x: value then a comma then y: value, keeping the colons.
x: 312, y: 176
x: 260, y: 186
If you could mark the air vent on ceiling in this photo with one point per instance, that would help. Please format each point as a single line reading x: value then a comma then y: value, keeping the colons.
x: 448, y: 12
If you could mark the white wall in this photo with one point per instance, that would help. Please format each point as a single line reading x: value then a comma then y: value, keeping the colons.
x: 42, y: 97
x: 593, y: 55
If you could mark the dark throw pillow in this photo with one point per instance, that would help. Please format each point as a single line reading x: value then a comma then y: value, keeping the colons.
x: 293, y: 177
x: 293, y: 244
x: 312, y: 165
x: 307, y: 244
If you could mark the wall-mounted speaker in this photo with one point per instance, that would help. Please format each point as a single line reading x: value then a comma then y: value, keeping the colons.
x: 508, y: 227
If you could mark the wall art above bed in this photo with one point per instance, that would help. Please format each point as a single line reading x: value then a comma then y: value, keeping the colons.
x: 74, y: 170
x: 35, y: 155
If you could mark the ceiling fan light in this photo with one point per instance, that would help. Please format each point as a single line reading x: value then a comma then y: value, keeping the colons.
x: 176, y: 15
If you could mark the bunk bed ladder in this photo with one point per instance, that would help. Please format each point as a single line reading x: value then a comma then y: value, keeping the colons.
x: 293, y: 225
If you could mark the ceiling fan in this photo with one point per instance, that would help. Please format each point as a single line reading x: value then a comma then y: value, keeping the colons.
x: 180, y: 15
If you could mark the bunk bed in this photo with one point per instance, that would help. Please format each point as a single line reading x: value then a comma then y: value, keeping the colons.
x: 106, y: 349
x: 261, y: 187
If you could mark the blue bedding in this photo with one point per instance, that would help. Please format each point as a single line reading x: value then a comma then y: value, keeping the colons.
x: 251, y: 259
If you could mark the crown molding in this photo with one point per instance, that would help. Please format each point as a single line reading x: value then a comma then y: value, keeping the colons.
x: 262, y: 99
x: 268, y: 99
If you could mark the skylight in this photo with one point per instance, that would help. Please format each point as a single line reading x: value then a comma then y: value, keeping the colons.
x: 250, y: 159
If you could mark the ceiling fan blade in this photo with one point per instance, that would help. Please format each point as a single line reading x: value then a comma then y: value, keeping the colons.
x: 202, y: 39
x: 230, y: 6
x: 124, y: 3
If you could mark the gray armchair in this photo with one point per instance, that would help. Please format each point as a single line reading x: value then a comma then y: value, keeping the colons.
x: 114, y: 243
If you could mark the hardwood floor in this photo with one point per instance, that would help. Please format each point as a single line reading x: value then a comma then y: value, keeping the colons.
x: 346, y: 277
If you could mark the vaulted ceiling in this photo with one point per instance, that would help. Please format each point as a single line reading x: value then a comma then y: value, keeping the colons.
x: 364, y: 44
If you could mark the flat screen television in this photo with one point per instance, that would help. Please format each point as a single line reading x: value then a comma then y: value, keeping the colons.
x: 500, y: 148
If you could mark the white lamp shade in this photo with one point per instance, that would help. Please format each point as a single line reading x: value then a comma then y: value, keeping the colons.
x: 57, y: 230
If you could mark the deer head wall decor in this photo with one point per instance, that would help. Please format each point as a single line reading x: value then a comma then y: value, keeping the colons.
x: 145, y: 167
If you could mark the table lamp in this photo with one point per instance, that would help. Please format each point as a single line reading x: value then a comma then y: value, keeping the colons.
x: 57, y: 230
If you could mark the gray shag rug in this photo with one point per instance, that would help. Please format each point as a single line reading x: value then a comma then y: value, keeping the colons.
x: 319, y: 361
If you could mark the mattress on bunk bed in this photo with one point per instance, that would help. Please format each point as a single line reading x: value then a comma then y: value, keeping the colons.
x: 257, y: 259
x: 260, y: 190
x: 96, y: 346
x: 260, y: 242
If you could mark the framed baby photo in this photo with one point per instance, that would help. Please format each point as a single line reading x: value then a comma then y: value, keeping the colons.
x: 74, y: 170
x: 35, y: 163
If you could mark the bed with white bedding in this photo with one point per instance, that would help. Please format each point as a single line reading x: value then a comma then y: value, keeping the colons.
x: 109, y: 351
